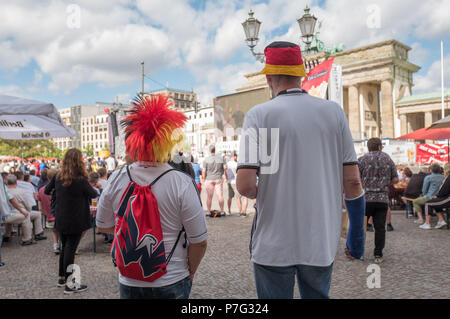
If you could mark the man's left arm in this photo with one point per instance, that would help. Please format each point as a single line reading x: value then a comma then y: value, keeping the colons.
x: 248, y: 161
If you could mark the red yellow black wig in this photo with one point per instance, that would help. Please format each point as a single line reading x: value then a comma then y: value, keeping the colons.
x: 151, y: 129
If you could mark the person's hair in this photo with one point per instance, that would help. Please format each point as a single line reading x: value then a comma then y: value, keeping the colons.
x: 26, y: 177
x: 407, y: 171
x: 93, y: 177
x: 44, y: 174
x: 102, y: 172
x: 19, y: 174
x: 282, y: 79
x: 435, y: 168
x: 72, y: 167
x: 33, y: 172
x: 12, y: 170
x: 212, y: 149
x: 12, y: 179
x: 51, y: 172
x: 374, y: 144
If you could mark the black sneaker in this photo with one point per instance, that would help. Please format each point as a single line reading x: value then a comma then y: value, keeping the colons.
x: 5, y: 239
x: 370, y: 227
x: 61, y: 283
x: 69, y: 291
x: 27, y: 243
x: 40, y: 237
x: 389, y: 227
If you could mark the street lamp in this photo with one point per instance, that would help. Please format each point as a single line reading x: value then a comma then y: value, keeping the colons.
x: 251, y: 28
x: 307, y: 24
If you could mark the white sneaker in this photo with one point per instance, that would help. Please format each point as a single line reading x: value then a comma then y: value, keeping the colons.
x: 419, y: 221
x: 425, y: 226
x: 440, y: 225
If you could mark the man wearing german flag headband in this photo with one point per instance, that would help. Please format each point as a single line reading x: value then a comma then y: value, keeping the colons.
x: 301, y: 149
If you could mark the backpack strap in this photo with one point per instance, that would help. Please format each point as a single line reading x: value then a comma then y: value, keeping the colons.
x: 157, y: 179
x: 128, y: 172
x: 176, y: 243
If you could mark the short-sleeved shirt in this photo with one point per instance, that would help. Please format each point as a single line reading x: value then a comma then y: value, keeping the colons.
x: 377, y: 171
x: 197, y: 171
x: 231, y: 172
x: 300, y: 185
x: 45, y: 204
x: 21, y: 198
x: 111, y: 164
x: 214, y: 167
x: 178, y: 204
x: 6, y: 209
x: 29, y: 191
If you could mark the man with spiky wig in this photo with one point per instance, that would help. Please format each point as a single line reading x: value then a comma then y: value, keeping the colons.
x: 151, y: 132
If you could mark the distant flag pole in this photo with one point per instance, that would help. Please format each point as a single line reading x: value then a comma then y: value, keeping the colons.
x: 442, y: 77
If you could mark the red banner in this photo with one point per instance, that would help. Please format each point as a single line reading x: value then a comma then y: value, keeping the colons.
x: 432, y: 153
x: 316, y: 82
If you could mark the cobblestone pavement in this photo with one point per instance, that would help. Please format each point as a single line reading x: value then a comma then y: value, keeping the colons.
x: 417, y: 264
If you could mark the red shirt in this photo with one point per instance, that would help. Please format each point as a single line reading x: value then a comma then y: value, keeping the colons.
x: 45, y: 204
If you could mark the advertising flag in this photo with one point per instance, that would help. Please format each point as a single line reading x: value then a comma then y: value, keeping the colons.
x: 316, y: 82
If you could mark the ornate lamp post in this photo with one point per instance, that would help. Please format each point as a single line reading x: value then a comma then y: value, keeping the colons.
x: 307, y: 24
x: 251, y: 28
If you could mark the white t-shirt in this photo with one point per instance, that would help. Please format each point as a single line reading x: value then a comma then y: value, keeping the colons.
x: 231, y: 172
x: 179, y: 205
x: 110, y: 164
x: 29, y: 191
x: 300, y: 187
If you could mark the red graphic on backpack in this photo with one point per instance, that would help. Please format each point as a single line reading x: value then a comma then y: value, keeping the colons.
x: 138, y: 246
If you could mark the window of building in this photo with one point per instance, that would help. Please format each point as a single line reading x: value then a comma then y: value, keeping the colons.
x: 200, y: 116
x: 210, y: 114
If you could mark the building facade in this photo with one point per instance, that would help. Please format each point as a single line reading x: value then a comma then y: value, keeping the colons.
x: 182, y: 100
x: 199, y: 128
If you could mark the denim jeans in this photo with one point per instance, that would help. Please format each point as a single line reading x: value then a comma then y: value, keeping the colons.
x: 278, y: 282
x: 409, y: 207
x: 178, y: 290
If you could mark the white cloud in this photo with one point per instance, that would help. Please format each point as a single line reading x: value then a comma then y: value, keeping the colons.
x: 115, y: 35
x: 431, y: 81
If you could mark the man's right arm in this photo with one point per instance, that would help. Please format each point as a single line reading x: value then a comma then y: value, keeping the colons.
x: 18, y: 207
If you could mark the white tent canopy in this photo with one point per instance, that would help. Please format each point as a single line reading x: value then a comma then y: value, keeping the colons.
x: 23, y: 119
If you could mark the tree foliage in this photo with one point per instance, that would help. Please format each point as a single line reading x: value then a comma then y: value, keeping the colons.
x: 29, y: 148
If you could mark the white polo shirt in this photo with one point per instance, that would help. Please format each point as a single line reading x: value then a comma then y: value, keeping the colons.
x: 178, y: 204
x: 300, y: 188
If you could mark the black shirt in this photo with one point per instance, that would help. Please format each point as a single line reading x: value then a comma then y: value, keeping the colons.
x: 72, y: 212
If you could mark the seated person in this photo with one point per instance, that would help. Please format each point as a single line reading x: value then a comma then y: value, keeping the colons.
x: 438, y: 202
x: 20, y: 196
x: 414, y: 189
x: 44, y: 202
x: 11, y: 213
x: 430, y: 187
x: 28, y: 189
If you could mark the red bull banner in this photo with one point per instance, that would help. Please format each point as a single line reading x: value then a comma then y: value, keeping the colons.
x: 432, y: 153
x: 316, y: 82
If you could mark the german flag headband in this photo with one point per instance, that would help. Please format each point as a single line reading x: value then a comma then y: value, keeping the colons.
x: 283, y: 58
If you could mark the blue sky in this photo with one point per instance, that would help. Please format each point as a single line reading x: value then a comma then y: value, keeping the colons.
x: 91, y: 52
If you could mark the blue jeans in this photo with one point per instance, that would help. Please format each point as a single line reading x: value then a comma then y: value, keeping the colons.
x: 278, y: 282
x: 178, y: 290
x: 409, y: 206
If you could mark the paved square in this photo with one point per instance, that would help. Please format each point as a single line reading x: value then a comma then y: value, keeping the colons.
x: 417, y: 264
